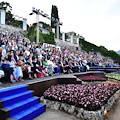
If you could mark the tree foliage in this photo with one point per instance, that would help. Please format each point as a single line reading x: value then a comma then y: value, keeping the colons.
x: 49, y: 38
x: 5, y: 6
x: 10, y: 19
x: 32, y: 33
x: 87, y: 46
x: 43, y: 38
x: 54, y: 14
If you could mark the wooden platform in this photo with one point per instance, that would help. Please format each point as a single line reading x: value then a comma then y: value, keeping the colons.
x: 41, y: 84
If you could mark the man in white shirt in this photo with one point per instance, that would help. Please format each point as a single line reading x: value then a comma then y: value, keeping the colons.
x: 3, y: 51
x: 27, y: 52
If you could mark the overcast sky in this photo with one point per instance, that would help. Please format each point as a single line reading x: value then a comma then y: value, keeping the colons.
x: 98, y: 21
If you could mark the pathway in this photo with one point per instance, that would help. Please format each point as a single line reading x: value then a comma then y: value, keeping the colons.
x: 55, y: 115
x: 114, y: 114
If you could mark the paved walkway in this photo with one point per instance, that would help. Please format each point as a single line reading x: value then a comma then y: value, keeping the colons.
x: 55, y: 115
x: 114, y: 114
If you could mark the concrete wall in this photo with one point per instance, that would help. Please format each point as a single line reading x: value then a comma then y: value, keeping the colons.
x: 64, y: 43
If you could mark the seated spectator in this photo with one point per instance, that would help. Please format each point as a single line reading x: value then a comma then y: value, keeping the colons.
x: 15, y: 69
x: 76, y: 66
x: 25, y: 67
x: 3, y: 51
x: 71, y: 67
x: 41, y: 68
x: 61, y: 66
x: 7, y: 70
x: 45, y: 65
x: 35, y: 67
x: 55, y: 67
x: 16, y: 57
x: 27, y: 52
x: 49, y: 67
x: 39, y: 61
x: 1, y: 68
x: 100, y: 64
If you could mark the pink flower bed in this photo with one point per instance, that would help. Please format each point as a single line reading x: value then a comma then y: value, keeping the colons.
x: 89, y: 97
x: 92, y: 78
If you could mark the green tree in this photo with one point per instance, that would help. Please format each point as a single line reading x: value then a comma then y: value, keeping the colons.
x: 31, y: 33
x: 5, y: 6
x: 54, y: 14
x: 43, y: 38
x: 49, y: 38
x: 10, y: 20
x: 87, y: 46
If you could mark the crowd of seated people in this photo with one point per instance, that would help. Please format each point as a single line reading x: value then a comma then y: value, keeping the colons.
x: 19, y: 55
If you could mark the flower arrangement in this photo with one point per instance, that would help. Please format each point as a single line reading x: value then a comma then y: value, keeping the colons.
x: 113, y: 75
x: 87, y: 96
x: 92, y: 78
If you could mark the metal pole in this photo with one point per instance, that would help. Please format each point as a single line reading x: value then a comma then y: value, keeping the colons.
x: 57, y: 30
x: 44, y: 15
x: 37, y: 37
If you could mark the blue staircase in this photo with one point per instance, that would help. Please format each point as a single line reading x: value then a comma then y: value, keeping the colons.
x: 19, y: 104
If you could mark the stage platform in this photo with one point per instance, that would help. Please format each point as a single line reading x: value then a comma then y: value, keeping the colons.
x: 39, y: 85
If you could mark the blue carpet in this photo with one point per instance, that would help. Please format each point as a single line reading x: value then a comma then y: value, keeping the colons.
x: 30, y: 113
x: 21, y: 103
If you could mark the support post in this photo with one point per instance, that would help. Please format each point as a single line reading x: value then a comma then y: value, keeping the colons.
x: 71, y: 38
x: 24, y: 24
x: 57, y: 30
x: 77, y: 40
x: 2, y: 16
x: 63, y: 36
x: 37, y: 37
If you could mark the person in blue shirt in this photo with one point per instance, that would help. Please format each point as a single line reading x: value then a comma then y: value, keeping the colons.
x: 1, y: 68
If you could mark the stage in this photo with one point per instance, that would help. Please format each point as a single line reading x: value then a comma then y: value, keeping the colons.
x: 39, y: 85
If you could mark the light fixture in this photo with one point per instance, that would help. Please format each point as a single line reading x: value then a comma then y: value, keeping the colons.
x: 31, y: 14
x: 105, y: 112
x: 40, y: 12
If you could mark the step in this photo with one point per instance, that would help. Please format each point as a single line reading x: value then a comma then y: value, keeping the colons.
x: 30, y: 113
x: 79, y: 81
x: 12, y: 90
x: 22, y: 105
x: 16, y: 98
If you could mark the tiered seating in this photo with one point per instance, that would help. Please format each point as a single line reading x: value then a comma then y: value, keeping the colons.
x: 19, y: 103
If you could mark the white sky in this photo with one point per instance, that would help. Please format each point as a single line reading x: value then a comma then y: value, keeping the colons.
x: 98, y: 21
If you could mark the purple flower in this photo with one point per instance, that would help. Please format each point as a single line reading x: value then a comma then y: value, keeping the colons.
x: 89, y: 96
x: 92, y: 78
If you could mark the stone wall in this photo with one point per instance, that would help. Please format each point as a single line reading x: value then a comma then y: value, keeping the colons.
x: 11, y: 29
x: 93, y: 82
x: 80, y: 112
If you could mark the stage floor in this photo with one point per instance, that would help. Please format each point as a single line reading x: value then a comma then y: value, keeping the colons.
x: 28, y: 81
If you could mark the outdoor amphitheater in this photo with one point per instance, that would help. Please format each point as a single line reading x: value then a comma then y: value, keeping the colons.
x: 60, y: 81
